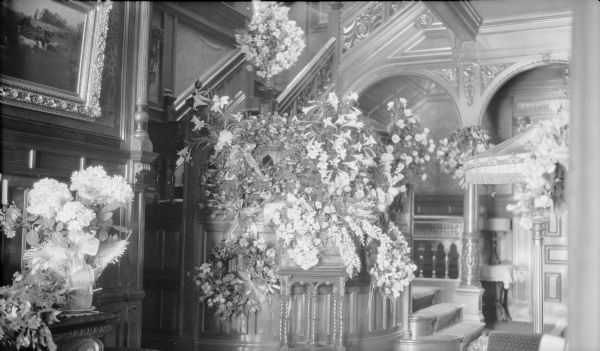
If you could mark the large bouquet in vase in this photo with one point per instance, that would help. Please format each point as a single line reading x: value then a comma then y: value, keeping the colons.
x: 70, y: 238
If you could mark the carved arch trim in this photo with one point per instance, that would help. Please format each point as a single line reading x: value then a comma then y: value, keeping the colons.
x: 510, y: 72
x: 373, y: 76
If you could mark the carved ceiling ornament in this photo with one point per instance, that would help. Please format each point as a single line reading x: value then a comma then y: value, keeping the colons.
x: 489, y: 72
x: 84, y: 104
x: 468, y: 70
x: 424, y: 20
x: 448, y: 74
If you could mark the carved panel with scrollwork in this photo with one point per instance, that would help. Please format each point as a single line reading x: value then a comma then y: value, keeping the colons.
x: 363, y: 25
x: 489, y: 72
x: 448, y: 74
x: 468, y: 75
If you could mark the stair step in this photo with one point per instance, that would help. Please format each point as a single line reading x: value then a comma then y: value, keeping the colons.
x: 456, y: 337
x: 433, y: 342
x: 424, y: 296
x: 433, y: 318
x: 467, y: 330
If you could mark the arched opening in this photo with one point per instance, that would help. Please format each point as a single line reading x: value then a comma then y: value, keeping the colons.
x: 527, y: 97
x: 435, y: 108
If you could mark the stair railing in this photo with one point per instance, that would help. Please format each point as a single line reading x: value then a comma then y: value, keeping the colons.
x: 437, y: 246
x: 229, y: 76
x: 314, y: 79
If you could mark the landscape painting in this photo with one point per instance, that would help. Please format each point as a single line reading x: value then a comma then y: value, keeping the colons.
x: 42, y: 42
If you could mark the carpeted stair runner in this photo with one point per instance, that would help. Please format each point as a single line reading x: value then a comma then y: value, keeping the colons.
x: 424, y: 296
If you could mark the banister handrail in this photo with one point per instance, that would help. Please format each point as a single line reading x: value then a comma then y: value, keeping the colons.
x: 211, y: 78
x: 306, y: 75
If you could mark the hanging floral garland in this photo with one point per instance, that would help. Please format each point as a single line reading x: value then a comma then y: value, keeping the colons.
x: 542, y: 190
x: 271, y: 41
x: 452, y: 152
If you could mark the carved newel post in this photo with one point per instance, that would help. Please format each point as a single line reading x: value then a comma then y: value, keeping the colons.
x: 537, y: 299
x: 469, y: 291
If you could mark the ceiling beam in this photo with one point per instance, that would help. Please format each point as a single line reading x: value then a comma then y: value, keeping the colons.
x: 459, y: 16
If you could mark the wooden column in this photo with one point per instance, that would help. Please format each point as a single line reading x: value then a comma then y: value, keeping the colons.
x: 141, y: 117
x: 334, y: 29
x: 537, y: 289
x: 583, y: 188
x: 469, y: 259
x: 139, y: 165
x: 469, y: 291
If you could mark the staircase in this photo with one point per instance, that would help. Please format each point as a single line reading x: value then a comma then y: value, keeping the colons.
x: 437, y: 326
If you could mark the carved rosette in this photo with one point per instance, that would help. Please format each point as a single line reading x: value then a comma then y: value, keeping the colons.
x: 489, y: 72
x: 424, y: 20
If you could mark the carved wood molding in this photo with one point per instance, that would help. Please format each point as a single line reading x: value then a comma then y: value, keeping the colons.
x: 460, y: 16
x: 505, y: 75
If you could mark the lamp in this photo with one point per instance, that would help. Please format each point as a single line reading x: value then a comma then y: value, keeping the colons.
x: 496, y: 225
x: 505, y: 163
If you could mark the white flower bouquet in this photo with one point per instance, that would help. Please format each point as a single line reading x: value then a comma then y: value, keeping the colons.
x: 393, y: 268
x: 271, y: 41
x: 542, y: 190
x: 320, y: 192
x: 403, y: 155
x: 452, y: 152
x: 75, y: 237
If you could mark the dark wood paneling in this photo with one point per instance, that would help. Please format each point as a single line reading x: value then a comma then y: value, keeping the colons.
x: 55, y: 161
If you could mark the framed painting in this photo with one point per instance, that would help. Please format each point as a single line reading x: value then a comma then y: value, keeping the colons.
x: 52, y: 55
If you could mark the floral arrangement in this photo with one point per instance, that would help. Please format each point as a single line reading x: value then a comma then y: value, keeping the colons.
x: 271, y: 41
x: 452, y: 152
x: 393, y: 269
x: 542, y: 190
x: 404, y: 157
x: 70, y: 239
x: 28, y: 307
x: 239, y: 278
x: 319, y: 190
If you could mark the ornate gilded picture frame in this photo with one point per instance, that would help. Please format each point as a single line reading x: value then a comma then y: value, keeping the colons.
x: 52, y: 56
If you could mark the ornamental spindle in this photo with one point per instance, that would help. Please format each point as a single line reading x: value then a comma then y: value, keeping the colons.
x: 433, y: 262
x: 446, y: 261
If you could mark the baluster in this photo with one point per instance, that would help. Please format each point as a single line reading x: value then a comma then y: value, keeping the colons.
x: 421, y: 265
x: 433, y: 262
x: 446, y: 260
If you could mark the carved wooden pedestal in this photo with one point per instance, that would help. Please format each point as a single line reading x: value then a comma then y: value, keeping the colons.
x: 313, y: 279
x: 83, y: 333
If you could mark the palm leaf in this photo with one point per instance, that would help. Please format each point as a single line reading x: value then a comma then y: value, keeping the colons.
x: 109, y: 252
